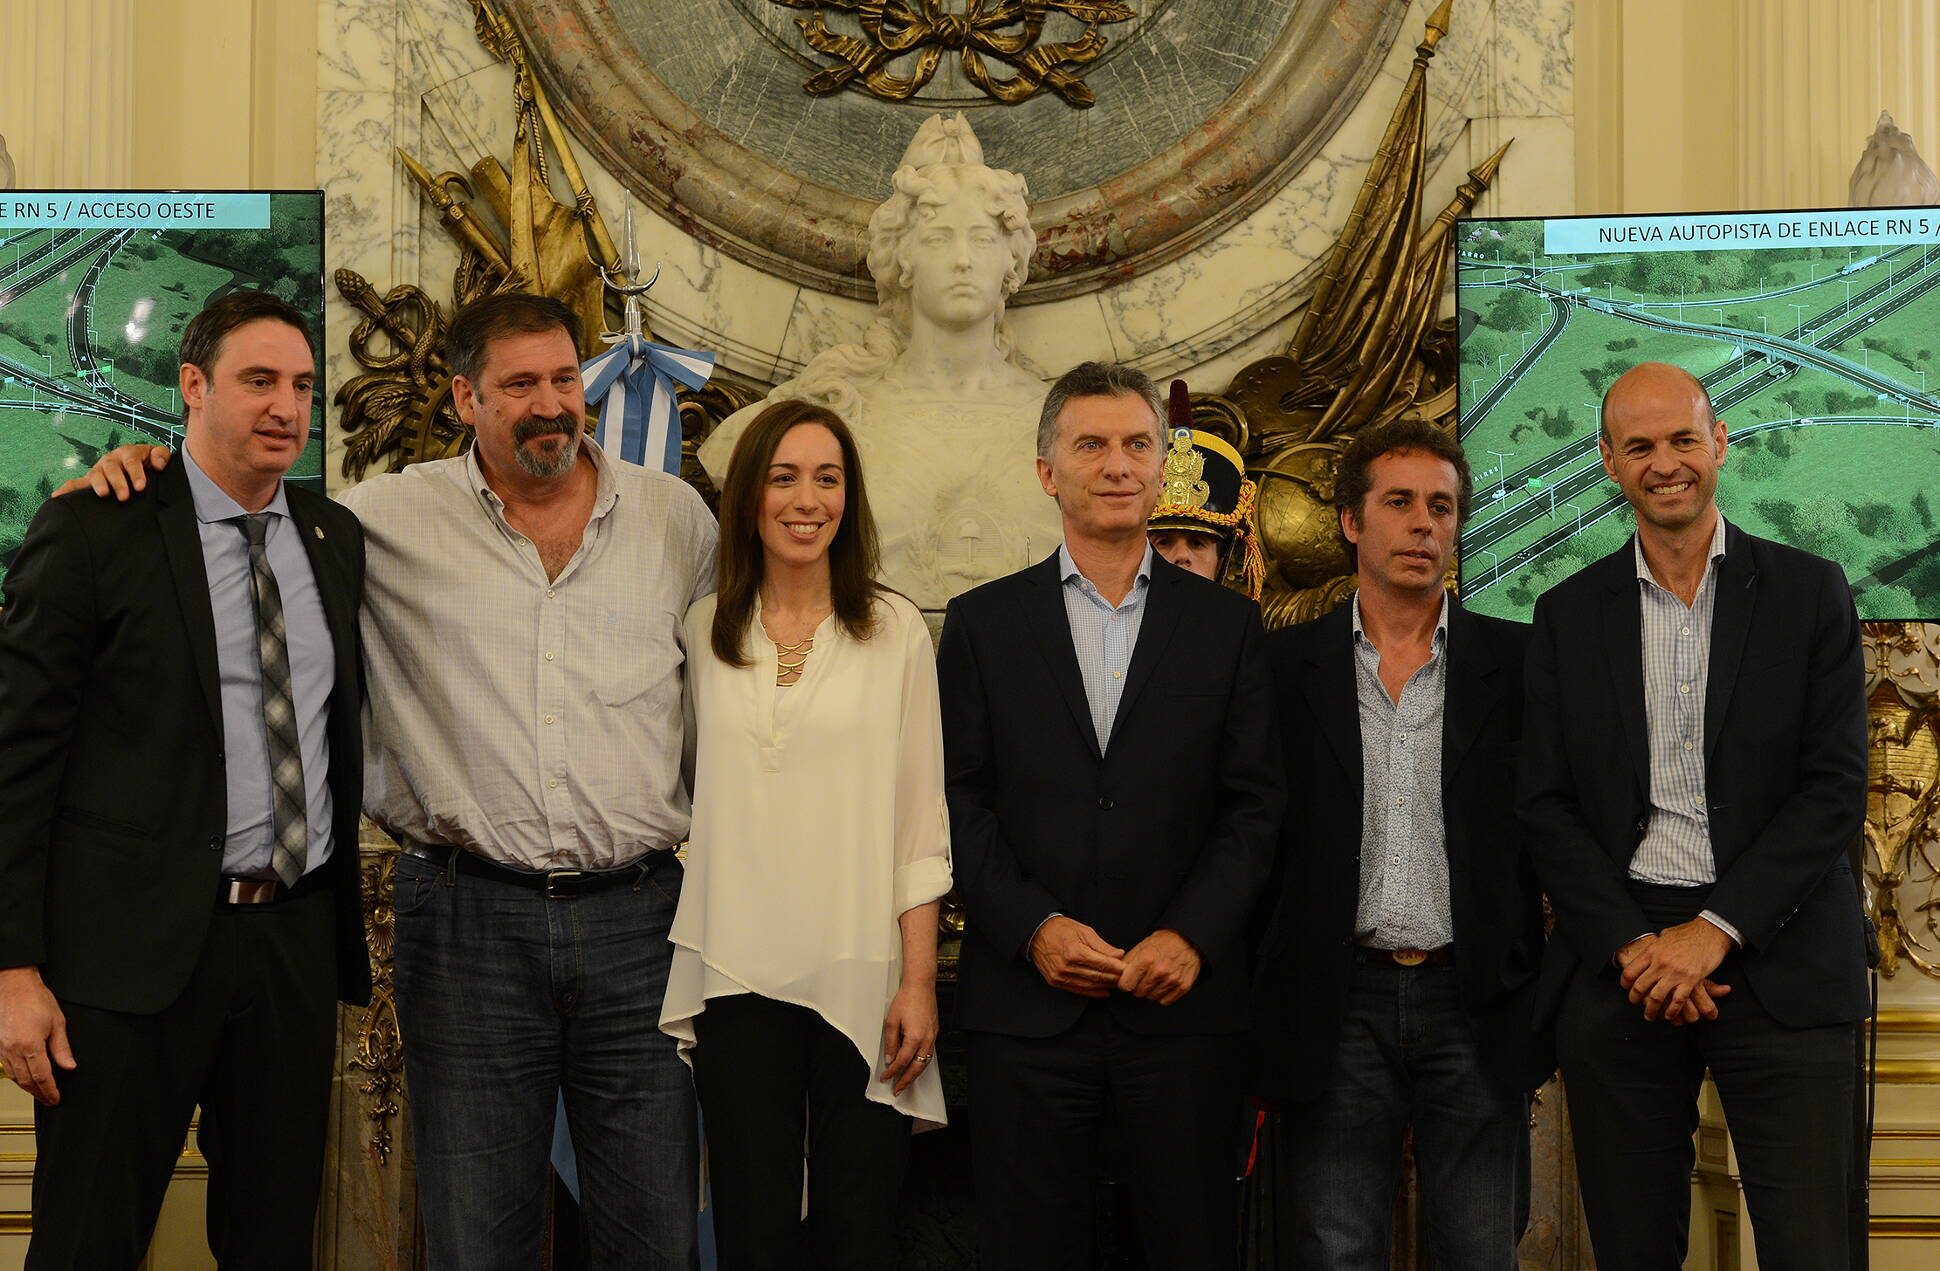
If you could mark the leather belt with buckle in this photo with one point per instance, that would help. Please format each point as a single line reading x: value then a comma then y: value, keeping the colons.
x: 250, y: 891
x: 1407, y: 957
x: 558, y: 884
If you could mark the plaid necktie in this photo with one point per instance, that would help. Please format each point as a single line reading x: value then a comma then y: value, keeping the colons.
x: 289, y: 810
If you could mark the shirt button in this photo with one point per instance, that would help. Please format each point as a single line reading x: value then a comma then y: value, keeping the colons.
x: 1687, y: 745
x: 1118, y: 675
x: 1698, y: 804
x: 1682, y: 688
x: 1400, y: 800
x: 1687, y: 631
x: 1105, y: 804
x: 552, y: 785
x: 549, y: 655
x: 519, y: 541
x: 548, y: 593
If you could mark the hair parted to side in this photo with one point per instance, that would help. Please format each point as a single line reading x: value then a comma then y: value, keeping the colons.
x: 854, y: 556
x: 202, y: 338
x: 1356, y: 473
x: 1096, y: 379
x: 475, y: 326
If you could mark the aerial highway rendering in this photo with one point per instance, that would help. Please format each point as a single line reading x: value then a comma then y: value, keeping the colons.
x: 1817, y: 358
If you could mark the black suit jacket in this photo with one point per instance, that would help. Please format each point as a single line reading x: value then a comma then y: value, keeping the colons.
x: 1494, y: 901
x: 1171, y: 827
x: 1785, y: 771
x: 112, y: 796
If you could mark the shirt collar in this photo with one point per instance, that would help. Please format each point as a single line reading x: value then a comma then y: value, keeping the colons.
x: 605, y: 493
x: 1441, y: 620
x: 1643, y: 566
x: 1068, y: 570
x: 212, y: 502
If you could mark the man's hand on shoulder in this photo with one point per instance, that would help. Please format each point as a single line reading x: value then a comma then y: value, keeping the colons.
x: 33, y: 1034
x: 1161, y: 968
x: 120, y: 472
x: 1668, y: 973
x: 1073, y: 957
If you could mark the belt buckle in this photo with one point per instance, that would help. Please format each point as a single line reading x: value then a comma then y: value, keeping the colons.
x: 1409, y: 957
x: 556, y: 876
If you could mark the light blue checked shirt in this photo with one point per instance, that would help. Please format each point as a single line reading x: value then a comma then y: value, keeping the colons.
x: 1404, y: 848
x: 1676, y: 847
x: 1103, y: 636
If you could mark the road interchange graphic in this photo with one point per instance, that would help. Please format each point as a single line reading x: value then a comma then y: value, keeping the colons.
x: 1817, y: 359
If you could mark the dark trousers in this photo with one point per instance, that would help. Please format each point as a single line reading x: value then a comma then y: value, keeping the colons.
x: 1408, y: 1056
x: 772, y: 1076
x: 1037, y: 1109
x: 1633, y: 1088
x: 251, y: 1040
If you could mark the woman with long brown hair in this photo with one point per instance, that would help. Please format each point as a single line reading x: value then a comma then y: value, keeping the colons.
x: 803, y: 987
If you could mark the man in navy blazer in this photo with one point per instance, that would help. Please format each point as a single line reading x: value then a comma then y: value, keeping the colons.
x: 1399, y: 969
x: 1114, y: 790
x: 1694, y: 777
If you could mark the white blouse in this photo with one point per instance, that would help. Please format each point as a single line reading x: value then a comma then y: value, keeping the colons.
x: 818, y: 821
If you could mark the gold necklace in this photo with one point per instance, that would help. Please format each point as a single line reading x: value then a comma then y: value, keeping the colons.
x: 787, y: 672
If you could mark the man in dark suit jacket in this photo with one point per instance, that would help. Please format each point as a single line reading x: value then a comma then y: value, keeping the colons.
x: 180, y: 779
x: 1400, y: 963
x: 1114, y: 790
x: 1694, y: 774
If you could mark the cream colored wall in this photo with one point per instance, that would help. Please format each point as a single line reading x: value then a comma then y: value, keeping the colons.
x: 1691, y: 105
x: 164, y: 94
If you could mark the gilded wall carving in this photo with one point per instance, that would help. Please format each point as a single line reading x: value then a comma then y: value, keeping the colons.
x: 1903, y: 802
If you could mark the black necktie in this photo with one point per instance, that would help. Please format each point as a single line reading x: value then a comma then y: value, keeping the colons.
x: 289, y: 810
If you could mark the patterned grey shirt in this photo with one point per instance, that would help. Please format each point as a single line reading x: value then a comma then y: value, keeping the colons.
x: 1404, y: 850
x: 1676, y: 847
x: 1103, y: 636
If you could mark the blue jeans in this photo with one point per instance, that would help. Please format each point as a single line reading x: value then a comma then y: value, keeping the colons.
x: 1408, y: 1056
x: 507, y: 999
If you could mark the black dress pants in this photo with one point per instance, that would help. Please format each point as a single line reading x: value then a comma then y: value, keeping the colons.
x: 1633, y: 1087
x: 251, y: 1040
x: 771, y: 1076
x: 1039, y: 1109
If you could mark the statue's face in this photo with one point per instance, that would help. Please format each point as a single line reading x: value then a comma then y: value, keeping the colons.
x: 957, y: 260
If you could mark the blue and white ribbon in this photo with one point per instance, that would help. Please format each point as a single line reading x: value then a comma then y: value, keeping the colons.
x: 634, y: 383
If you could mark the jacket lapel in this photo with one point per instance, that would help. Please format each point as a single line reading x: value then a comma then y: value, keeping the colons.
x: 1624, y: 642
x: 1332, y: 688
x: 1737, y: 593
x: 1163, y: 605
x: 182, y: 542
x: 1043, y: 610
x: 1471, y: 688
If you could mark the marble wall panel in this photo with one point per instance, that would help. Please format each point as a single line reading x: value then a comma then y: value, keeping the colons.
x: 394, y: 73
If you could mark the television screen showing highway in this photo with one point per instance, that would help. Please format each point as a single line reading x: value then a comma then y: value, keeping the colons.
x: 95, y: 289
x: 1815, y: 333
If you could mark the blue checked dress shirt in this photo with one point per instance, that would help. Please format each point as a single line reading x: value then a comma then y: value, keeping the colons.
x: 1676, y: 847
x: 1404, y: 849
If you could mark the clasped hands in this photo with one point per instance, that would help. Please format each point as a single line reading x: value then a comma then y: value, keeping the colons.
x: 1069, y: 955
x: 1668, y: 973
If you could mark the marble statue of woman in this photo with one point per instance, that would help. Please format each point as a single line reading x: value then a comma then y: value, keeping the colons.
x: 945, y: 418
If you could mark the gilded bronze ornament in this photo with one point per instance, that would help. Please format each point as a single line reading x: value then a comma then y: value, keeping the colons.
x: 380, y: 1048
x: 1369, y: 349
x: 1903, y: 798
x: 894, y: 29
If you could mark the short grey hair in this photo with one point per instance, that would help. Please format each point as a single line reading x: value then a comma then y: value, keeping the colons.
x: 1097, y: 379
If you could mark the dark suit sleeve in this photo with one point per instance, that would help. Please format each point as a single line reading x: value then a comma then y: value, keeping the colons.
x: 1003, y: 902
x: 1213, y: 907
x: 1586, y: 886
x: 46, y: 645
x: 1817, y: 822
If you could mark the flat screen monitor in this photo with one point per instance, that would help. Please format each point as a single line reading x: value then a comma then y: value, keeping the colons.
x: 1816, y: 333
x: 95, y: 288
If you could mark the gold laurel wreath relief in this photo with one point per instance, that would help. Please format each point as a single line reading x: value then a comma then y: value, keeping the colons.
x: 926, y: 30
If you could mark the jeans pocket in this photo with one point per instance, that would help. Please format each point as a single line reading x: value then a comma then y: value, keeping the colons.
x: 412, y: 884
x: 665, y: 879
